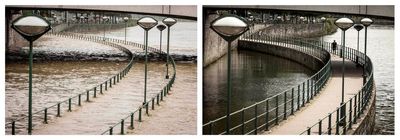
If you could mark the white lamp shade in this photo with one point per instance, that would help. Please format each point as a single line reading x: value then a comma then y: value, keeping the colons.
x: 229, y: 26
x: 169, y: 21
x: 31, y: 25
x: 366, y: 21
x: 147, y: 22
x: 344, y: 23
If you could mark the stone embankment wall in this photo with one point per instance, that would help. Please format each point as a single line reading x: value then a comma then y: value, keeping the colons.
x: 365, y: 125
x: 307, y: 60
x: 214, y: 46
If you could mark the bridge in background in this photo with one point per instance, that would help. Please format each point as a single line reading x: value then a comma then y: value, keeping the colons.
x: 383, y: 11
x: 177, y: 11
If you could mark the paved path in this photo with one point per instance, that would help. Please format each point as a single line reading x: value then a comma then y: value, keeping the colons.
x: 177, y: 113
x: 107, y: 109
x: 327, y: 101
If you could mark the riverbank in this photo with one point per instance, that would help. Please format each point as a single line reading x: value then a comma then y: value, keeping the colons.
x: 50, y: 48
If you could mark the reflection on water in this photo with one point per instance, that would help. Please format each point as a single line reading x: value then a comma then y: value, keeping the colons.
x: 255, y: 76
x: 53, y: 81
x: 380, y: 49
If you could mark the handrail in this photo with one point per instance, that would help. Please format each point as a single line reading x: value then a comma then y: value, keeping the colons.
x: 157, y: 98
x: 354, y: 107
x: 283, y: 104
x: 91, y: 91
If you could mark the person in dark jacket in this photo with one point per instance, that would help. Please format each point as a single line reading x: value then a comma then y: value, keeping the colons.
x: 334, y: 46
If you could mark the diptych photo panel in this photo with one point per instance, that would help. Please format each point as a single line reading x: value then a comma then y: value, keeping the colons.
x: 198, y: 69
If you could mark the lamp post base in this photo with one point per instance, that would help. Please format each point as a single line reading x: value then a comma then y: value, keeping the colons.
x: 342, y: 121
x: 167, y: 77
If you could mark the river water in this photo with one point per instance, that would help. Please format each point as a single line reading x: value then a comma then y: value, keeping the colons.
x: 380, y: 48
x: 255, y: 76
x: 183, y: 37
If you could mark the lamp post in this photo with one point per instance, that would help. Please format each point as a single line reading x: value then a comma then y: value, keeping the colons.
x: 31, y: 28
x: 343, y: 24
x: 146, y: 23
x: 161, y: 28
x: 366, y: 22
x: 104, y: 27
x: 358, y: 27
x: 125, y: 20
x: 169, y: 22
x: 323, y: 19
x: 229, y: 27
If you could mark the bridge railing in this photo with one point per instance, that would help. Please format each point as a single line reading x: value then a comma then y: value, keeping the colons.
x: 128, y: 122
x: 268, y: 112
x: 42, y: 116
x: 338, y: 122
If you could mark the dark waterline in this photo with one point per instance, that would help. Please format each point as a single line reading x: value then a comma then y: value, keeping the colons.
x: 255, y: 76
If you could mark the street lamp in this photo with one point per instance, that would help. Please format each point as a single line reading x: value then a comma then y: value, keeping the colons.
x: 323, y: 19
x: 343, y: 24
x: 358, y: 27
x: 146, y: 23
x: 366, y: 22
x: 161, y: 28
x: 229, y: 27
x: 31, y: 28
x: 104, y: 23
x: 126, y: 20
x: 169, y: 22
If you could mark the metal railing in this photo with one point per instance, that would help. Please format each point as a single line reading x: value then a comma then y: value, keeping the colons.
x: 67, y: 104
x: 337, y: 123
x: 269, y: 112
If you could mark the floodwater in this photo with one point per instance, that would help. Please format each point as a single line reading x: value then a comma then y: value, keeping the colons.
x: 255, y: 76
x: 380, y: 48
x: 183, y: 37
x: 53, y: 81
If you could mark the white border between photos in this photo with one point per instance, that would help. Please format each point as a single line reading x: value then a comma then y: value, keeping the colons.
x: 199, y: 4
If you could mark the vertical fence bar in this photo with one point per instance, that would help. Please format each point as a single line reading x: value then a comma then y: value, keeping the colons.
x: 330, y: 124
x: 45, y: 116
x: 132, y: 120
x: 276, y: 110
x: 13, y: 128
x: 303, y: 100
x: 87, y: 96
x: 308, y: 90
x: 69, y: 105
x: 58, y: 110
x: 122, y: 126
x: 79, y: 99
x: 255, y: 119
x: 267, y: 115
x: 140, y: 114
x: 298, y: 97
x: 111, y: 130
x: 292, y: 101
x: 284, y: 105
x: 152, y: 104
x: 320, y: 127
x: 337, y: 121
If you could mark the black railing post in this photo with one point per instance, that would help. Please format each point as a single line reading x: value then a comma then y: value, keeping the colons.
x: 122, y: 126
x: 303, y: 99
x: 132, y: 121
x: 87, y: 96
x: 45, y: 116
x: 255, y: 119
x: 292, y: 102
x: 13, y: 128
x: 69, y: 105
x: 330, y: 124
x: 284, y: 105
x: 267, y: 115
x: 276, y: 110
x: 320, y: 127
x: 58, y: 110
x: 79, y: 99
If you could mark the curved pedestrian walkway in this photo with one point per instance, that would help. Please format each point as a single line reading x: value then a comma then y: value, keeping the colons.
x: 323, y: 104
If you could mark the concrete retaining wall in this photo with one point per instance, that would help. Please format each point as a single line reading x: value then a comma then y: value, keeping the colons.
x: 366, y: 124
x: 309, y: 61
x: 214, y: 46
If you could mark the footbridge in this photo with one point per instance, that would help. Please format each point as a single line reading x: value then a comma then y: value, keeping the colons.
x: 313, y: 106
x: 177, y: 11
